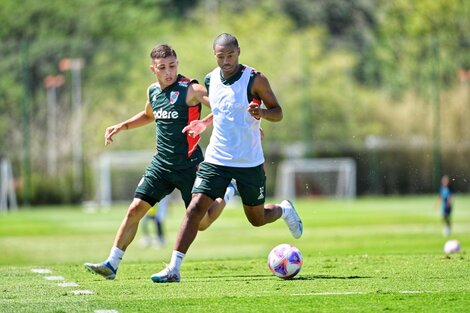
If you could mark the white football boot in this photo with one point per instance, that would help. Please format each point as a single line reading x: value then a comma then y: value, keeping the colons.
x: 292, y: 219
x: 104, y: 269
x: 167, y: 275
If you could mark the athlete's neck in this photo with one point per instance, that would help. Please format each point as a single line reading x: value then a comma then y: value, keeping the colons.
x: 228, y: 75
x: 167, y: 83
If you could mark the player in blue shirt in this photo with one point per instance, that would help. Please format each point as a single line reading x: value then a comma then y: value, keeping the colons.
x: 446, y: 199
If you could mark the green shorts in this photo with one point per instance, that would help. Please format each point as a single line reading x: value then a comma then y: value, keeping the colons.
x: 212, y: 180
x: 158, y: 182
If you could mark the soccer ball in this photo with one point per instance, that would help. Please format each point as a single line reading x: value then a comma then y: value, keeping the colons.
x: 451, y: 246
x: 285, y: 261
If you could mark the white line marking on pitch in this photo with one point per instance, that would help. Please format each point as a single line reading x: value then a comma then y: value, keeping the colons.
x: 68, y: 284
x: 54, y: 277
x: 82, y: 292
x: 340, y: 293
x: 106, y: 311
x: 41, y: 270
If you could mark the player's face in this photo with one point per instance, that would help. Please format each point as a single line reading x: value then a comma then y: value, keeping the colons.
x: 227, y: 59
x: 166, y: 70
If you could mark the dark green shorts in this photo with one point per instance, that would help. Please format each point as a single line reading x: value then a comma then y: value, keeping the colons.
x: 212, y: 180
x: 158, y: 182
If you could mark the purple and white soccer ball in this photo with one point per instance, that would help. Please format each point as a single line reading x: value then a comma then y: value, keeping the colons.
x: 285, y: 261
x: 451, y: 246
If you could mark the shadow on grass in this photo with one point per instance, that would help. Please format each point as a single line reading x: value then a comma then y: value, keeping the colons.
x: 313, y: 277
x: 270, y: 277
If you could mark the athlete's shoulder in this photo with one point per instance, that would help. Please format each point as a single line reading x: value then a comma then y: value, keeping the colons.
x: 153, y: 86
x: 253, y: 71
x: 184, y: 81
x: 207, y: 80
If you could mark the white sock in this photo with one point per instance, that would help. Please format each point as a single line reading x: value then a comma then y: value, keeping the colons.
x: 229, y: 193
x: 115, y: 257
x: 176, y: 259
x: 284, y: 211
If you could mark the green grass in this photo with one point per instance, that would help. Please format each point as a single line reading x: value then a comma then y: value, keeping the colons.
x: 367, y: 255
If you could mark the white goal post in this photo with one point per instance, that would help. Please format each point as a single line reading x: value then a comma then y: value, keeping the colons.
x: 7, y: 187
x: 331, y: 177
x: 120, y: 160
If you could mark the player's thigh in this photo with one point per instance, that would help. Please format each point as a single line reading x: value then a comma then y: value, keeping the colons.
x: 251, y: 183
x: 212, y: 180
x: 154, y: 185
x: 183, y: 180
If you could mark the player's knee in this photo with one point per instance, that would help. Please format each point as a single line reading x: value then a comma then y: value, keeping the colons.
x: 135, y: 213
x: 196, y: 211
x: 198, y: 207
x: 132, y: 214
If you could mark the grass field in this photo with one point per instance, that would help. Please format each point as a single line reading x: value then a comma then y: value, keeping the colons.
x: 366, y: 255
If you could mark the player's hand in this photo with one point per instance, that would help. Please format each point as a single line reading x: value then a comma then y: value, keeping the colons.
x: 254, y: 109
x: 195, y: 128
x: 110, y: 132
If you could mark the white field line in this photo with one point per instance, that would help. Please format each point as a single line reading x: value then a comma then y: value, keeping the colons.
x: 342, y: 293
x: 106, y: 311
x: 54, y: 277
x: 41, y: 270
x: 68, y: 284
x: 82, y: 292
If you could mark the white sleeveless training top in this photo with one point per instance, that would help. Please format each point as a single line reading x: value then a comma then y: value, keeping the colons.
x: 236, y: 138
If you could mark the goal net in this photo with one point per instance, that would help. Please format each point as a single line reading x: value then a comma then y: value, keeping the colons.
x: 335, y: 177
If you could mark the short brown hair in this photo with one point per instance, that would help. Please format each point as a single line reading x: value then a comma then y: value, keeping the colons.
x: 162, y: 51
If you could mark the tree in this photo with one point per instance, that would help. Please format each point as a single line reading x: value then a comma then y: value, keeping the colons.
x: 413, y: 38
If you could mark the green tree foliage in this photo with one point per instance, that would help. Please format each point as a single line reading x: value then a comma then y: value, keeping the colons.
x: 418, y: 43
x: 328, y: 62
x: 349, y: 23
x: 52, y: 30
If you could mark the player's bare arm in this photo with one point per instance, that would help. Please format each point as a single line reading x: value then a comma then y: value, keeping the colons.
x: 138, y: 120
x: 262, y: 89
x: 198, y: 94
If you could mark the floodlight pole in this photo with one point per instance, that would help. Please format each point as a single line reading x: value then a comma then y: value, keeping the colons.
x: 52, y: 83
x: 75, y: 66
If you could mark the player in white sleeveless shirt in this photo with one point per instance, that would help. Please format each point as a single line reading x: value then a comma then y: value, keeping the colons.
x: 235, y: 139
x: 234, y: 151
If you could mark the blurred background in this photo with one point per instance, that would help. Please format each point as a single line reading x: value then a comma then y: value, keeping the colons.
x: 383, y: 85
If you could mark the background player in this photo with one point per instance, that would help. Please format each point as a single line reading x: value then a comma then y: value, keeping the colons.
x: 446, y: 201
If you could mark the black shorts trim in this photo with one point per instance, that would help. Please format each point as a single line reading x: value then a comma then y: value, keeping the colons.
x: 206, y: 194
x: 146, y: 198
